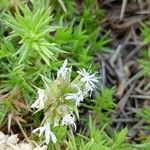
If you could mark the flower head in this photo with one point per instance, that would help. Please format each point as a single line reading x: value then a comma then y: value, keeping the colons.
x: 48, y: 133
x: 89, y: 79
x: 58, y: 110
x: 69, y: 120
x: 78, y: 97
x: 39, y: 103
x: 63, y: 70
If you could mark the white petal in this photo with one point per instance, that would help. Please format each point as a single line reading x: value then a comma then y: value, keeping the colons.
x: 47, y: 137
x: 69, y: 96
x: 65, y: 63
x: 25, y: 146
x: 63, y: 70
x: 54, y: 139
x: 13, y: 139
x: 35, y: 104
x: 41, y: 129
x: 35, y: 130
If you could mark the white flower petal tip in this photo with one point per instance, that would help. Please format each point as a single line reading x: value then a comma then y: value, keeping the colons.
x: 69, y: 120
x: 42, y: 98
x: 47, y: 132
x: 53, y: 137
x: 63, y: 70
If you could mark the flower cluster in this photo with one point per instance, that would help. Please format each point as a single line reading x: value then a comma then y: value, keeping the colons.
x: 12, y: 143
x: 60, y: 99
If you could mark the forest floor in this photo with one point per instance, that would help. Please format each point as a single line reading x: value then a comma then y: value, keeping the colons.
x: 120, y: 67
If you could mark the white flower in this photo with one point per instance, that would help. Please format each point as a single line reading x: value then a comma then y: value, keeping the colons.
x: 3, y: 138
x: 78, y: 97
x: 63, y: 70
x: 11, y: 143
x: 39, y: 103
x: 89, y: 79
x: 41, y: 148
x: 48, y: 133
x: 29, y: 146
x: 25, y: 146
x: 69, y: 120
x: 8, y: 139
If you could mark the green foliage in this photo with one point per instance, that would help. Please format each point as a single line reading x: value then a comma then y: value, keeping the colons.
x: 119, y: 139
x: 89, y: 12
x: 3, y: 111
x: 32, y: 28
x: 145, y: 61
x: 61, y: 132
x: 99, y: 139
x: 66, y: 8
x: 105, y: 101
x: 144, y: 145
x: 78, y: 43
x: 104, y: 105
x: 73, y: 41
x: 146, y: 32
x: 145, y: 114
x: 82, y: 37
x: 15, y: 76
x: 4, y: 5
x: 91, y: 15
